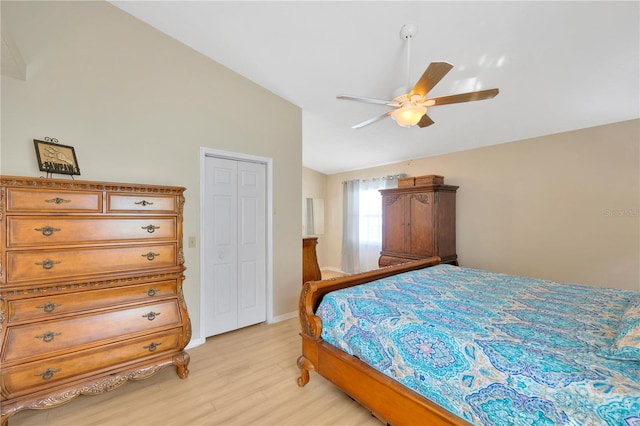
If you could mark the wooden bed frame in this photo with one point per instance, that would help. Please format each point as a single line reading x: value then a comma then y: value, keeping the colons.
x: 387, y: 399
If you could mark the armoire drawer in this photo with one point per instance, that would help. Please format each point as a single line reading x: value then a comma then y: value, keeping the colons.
x: 24, y: 231
x: 40, y: 308
x: 140, y: 203
x: 34, y: 340
x: 33, y: 265
x: 42, y: 200
x: 53, y: 371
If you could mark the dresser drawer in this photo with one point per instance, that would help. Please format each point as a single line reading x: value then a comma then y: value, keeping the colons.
x: 23, y: 231
x: 33, y: 340
x: 24, y: 266
x: 54, y: 371
x: 41, y: 200
x: 40, y: 308
x: 141, y: 203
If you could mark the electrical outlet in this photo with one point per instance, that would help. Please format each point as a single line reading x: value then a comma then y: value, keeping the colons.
x: 192, y: 242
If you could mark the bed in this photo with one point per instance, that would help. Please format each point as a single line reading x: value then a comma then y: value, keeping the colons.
x: 425, y: 343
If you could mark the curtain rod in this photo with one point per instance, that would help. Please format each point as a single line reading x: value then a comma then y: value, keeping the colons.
x: 387, y: 177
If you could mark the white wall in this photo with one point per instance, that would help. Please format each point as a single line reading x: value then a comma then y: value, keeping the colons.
x: 137, y: 106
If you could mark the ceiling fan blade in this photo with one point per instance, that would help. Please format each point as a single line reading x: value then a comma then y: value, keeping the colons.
x: 425, y: 121
x: 371, y: 120
x: 367, y: 100
x: 466, y: 97
x: 432, y: 75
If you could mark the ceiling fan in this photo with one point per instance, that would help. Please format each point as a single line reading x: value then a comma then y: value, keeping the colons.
x: 410, y: 109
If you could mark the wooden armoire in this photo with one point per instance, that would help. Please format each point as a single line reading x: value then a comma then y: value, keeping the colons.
x: 418, y: 222
x: 91, y: 288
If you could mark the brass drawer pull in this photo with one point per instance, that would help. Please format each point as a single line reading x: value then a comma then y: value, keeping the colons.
x: 152, y: 292
x: 151, y: 255
x: 57, y: 200
x: 152, y: 346
x: 144, y: 203
x: 47, y: 231
x: 150, y: 228
x: 48, y: 336
x: 48, y: 307
x: 151, y: 315
x: 48, y: 263
x: 47, y: 374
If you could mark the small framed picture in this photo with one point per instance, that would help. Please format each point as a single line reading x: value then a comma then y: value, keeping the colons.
x: 56, y: 158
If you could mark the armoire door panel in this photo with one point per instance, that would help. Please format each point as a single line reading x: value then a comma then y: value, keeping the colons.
x: 421, y: 236
x: 393, y: 228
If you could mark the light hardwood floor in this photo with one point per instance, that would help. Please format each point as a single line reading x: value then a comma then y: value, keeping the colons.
x: 327, y: 274
x: 246, y: 377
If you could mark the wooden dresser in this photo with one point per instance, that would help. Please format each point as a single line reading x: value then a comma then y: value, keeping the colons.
x: 418, y: 222
x: 91, y: 288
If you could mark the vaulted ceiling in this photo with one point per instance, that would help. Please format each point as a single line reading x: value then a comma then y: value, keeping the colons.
x: 560, y: 66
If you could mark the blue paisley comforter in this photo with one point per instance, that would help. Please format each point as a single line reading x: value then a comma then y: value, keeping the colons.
x: 494, y: 349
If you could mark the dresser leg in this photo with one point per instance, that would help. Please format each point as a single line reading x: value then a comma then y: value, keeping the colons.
x: 181, y: 362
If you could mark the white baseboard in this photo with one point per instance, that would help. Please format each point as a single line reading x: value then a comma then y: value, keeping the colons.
x: 284, y: 317
x: 200, y: 341
x: 195, y: 342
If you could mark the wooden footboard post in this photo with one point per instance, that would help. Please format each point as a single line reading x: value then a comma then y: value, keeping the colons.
x: 304, y: 365
x: 311, y: 328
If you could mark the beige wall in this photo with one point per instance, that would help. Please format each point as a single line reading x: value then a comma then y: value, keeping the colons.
x: 314, y: 185
x: 564, y: 207
x: 137, y: 106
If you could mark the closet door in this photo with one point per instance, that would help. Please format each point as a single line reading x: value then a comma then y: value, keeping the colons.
x: 235, y: 245
x: 252, y: 227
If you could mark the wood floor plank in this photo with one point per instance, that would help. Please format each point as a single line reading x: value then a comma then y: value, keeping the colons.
x: 245, y: 377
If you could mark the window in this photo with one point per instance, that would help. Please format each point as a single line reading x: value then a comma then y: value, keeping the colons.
x: 362, y: 223
x: 370, y: 215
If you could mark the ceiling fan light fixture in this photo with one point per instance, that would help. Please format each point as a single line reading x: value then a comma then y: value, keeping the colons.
x: 411, y: 107
x: 408, y: 115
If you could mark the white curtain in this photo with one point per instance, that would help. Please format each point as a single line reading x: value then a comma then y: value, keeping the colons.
x: 350, y: 228
x: 362, y: 223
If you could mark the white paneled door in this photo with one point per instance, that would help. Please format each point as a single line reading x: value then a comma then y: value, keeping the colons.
x: 234, y: 239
